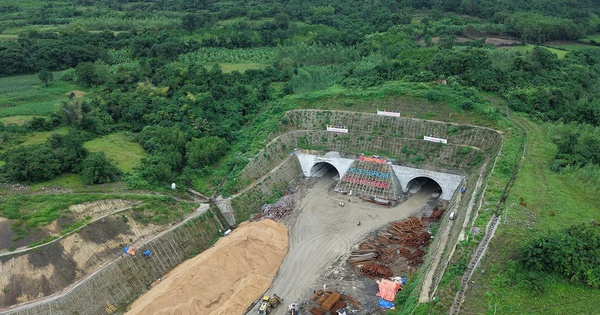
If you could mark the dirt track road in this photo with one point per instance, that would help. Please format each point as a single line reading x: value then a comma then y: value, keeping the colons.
x: 321, y: 231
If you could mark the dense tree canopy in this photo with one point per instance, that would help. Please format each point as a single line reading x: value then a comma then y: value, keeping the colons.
x: 158, y: 68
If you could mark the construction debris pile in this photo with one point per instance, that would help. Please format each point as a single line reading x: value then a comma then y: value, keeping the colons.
x: 435, y: 216
x: 279, y: 210
x: 331, y: 302
x: 405, y: 238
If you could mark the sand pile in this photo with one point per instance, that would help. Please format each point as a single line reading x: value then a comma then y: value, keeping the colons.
x: 223, y: 280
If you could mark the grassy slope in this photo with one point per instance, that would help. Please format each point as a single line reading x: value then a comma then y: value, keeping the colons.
x: 503, y: 288
x: 119, y: 148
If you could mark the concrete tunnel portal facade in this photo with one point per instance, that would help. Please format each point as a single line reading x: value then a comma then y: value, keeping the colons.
x: 321, y: 168
x: 317, y: 165
x: 421, y: 181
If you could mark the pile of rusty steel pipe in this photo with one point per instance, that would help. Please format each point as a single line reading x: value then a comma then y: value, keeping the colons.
x: 403, y: 238
x: 375, y: 270
x: 435, y: 215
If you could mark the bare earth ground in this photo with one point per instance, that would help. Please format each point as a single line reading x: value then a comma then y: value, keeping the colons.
x: 241, y: 267
x: 49, y: 269
x: 322, y: 234
x: 235, y: 273
x: 224, y: 279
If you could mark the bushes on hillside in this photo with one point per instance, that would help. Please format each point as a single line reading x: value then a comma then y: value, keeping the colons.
x: 573, y: 253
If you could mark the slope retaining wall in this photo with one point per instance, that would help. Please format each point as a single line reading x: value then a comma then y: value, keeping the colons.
x: 112, y: 288
x: 271, y: 171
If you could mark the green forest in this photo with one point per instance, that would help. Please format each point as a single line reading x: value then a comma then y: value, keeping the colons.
x: 144, y: 93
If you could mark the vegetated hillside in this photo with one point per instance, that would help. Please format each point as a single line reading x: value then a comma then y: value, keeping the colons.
x: 199, y: 85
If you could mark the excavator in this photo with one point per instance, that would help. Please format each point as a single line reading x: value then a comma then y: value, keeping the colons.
x: 267, y: 303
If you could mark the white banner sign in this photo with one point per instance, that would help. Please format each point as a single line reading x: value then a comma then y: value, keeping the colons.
x: 384, y: 113
x: 432, y: 139
x: 334, y: 129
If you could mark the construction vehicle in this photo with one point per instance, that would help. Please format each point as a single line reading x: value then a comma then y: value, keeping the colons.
x: 293, y: 309
x: 267, y: 303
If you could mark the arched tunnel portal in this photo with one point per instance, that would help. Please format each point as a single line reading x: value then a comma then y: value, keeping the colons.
x: 424, y: 183
x: 320, y: 169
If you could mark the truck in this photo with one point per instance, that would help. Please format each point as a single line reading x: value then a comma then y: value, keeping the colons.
x: 267, y: 303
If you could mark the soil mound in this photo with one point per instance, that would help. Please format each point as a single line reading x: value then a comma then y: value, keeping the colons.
x: 223, y: 280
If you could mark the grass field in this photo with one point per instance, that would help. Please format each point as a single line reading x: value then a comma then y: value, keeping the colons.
x: 7, y: 37
x: 33, y: 211
x: 573, y: 46
x: 42, y: 136
x: 504, y: 287
x: 65, y: 180
x: 594, y: 37
x: 525, y: 48
x: 17, y: 120
x: 119, y: 148
x: 26, y: 95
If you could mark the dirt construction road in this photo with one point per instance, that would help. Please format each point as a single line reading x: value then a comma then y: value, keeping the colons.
x: 321, y: 231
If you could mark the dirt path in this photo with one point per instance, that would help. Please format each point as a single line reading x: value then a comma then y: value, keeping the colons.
x: 321, y: 232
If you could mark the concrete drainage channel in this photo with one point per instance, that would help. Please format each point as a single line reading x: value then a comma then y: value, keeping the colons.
x: 490, y: 230
x: 475, y: 260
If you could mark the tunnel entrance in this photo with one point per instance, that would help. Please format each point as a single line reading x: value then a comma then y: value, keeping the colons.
x: 324, y: 169
x: 424, y: 184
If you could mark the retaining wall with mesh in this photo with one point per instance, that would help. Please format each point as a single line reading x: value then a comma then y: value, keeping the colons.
x: 112, y: 288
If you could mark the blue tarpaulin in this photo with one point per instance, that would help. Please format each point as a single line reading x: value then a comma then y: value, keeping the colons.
x: 386, y: 304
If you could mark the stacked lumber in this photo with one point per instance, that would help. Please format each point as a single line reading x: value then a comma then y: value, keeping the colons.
x: 316, y: 295
x: 337, y: 306
x: 333, y: 298
x: 323, y: 298
x: 330, y: 301
x: 317, y: 311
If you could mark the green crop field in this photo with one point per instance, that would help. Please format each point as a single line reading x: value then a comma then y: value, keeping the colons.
x: 26, y: 95
x: 573, y: 46
x: 525, y: 48
x: 239, y: 67
x: 119, y: 148
x: 17, y: 120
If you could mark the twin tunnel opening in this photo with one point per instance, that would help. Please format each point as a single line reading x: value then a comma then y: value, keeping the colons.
x: 420, y: 183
